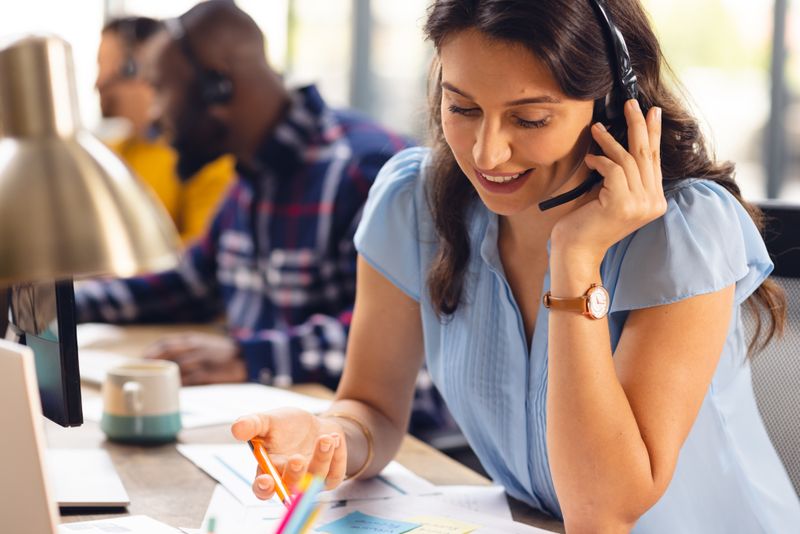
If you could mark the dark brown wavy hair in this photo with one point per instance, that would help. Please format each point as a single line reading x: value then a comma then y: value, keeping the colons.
x: 567, y: 37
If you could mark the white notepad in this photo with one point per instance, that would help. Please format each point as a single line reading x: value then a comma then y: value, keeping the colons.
x: 84, y: 478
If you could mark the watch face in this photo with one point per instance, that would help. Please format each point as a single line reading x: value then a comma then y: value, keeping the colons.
x: 598, y: 302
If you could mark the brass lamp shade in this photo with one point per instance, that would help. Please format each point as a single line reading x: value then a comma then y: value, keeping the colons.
x: 68, y: 206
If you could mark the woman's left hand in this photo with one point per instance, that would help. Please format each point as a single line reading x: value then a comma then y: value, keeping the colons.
x: 631, y: 193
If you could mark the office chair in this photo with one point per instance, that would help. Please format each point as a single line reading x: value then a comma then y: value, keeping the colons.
x: 776, y: 370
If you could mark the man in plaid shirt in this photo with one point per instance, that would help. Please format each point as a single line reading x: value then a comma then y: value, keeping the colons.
x: 278, y: 260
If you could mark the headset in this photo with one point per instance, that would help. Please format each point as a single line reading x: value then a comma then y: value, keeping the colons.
x: 215, y: 87
x: 132, y: 32
x: 129, y: 68
x: 608, y: 110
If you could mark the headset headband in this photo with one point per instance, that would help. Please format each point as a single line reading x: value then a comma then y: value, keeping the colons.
x: 178, y: 33
x: 618, y: 53
x: 215, y: 87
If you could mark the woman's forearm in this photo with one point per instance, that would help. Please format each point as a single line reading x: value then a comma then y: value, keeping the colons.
x: 600, y: 463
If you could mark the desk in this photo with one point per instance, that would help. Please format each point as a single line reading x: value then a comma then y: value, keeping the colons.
x: 164, y: 485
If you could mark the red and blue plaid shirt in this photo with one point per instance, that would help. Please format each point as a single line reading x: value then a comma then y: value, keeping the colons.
x: 278, y: 259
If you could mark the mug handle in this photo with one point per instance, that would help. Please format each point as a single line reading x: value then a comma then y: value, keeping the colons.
x: 132, y: 393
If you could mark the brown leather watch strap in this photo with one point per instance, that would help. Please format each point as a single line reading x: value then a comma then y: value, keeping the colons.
x: 573, y: 304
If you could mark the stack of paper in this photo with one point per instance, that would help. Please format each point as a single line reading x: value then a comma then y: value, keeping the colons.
x: 431, y: 514
x: 396, y: 501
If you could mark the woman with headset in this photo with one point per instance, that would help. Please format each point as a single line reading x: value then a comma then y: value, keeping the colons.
x: 571, y: 263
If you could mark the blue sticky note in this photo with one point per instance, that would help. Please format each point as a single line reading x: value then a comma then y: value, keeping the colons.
x: 358, y: 522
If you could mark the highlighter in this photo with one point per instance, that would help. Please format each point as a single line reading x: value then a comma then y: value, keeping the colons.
x: 266, y: 465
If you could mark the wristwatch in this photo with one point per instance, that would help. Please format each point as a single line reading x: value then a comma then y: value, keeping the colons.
x: 592, y: 304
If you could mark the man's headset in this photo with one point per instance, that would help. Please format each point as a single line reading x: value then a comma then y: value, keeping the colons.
x: 607, y: 110
x: 215, y: 87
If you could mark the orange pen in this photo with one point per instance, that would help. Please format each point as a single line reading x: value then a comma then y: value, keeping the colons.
x: 266, y: 465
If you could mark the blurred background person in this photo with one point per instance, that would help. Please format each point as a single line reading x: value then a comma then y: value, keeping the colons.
x: 279, y: 260
x: 126, y: 102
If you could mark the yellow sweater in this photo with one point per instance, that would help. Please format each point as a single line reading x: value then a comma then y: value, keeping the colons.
x: 191, y: 204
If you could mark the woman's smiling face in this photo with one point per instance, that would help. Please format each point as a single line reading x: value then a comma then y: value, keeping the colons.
x: 513, y: 132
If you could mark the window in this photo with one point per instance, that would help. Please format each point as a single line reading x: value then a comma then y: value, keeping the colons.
x: 721, y: 54
x: 81, y: 30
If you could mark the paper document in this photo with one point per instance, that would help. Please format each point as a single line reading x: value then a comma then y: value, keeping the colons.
x: 132, y: 524
x: 234, y: 466
x: 97, y: 334
x: 408, y: 514
x: 422, y: 514
x: 232, y: 517
x: 134, y: 340
x: 489, y: 500
x: 431, y: 512
x: 85, y: 478
x: 222, y: 404
x: 442, y: 525
x: 94, y: 364
x: 394, y: 481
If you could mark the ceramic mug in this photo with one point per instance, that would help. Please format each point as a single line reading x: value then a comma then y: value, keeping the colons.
x: 140, y: 402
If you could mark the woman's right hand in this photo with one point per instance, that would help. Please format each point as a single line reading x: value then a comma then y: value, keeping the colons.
x: 297, y: 442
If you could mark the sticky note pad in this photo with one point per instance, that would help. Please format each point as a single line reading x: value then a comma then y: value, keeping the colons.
x: 358, y: 522
x: 441, y: 525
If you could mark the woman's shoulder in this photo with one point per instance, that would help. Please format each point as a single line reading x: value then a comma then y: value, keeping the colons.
x: 706, y: 209
x: 403, y: 168
x: 398, y: 191
x: 389, y: 234
x: 696, y: 186
x: 705, y: 241
x: 699, y: 200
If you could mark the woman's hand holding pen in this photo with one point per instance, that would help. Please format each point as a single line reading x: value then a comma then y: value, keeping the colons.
x: 631, y: 194
x: 298, y: 442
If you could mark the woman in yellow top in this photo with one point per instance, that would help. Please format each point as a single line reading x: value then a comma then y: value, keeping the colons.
x: 125, y: 94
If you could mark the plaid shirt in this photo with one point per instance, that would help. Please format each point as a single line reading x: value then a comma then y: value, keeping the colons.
x: 278, y: 259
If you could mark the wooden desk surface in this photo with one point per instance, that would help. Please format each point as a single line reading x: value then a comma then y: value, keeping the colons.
x: 164, y: 485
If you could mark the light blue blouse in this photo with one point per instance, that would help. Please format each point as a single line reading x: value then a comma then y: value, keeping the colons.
x: 728, y: 477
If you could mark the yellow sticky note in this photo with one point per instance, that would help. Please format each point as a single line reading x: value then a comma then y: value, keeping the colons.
x: 440, y: 525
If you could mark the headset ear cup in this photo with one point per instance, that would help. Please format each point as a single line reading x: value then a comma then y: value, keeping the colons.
x: 129, y: 68
x: 216, y: 88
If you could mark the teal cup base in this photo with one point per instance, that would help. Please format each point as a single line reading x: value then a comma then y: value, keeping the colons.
x: 146, y: 429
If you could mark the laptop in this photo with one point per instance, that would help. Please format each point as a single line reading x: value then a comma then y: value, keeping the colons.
x: 26, y: 499
x: 34, y: 479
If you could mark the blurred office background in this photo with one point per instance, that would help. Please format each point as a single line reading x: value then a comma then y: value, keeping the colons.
x: 738, y: 59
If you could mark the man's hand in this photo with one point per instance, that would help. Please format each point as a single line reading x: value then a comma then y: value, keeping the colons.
x: 203, y: 358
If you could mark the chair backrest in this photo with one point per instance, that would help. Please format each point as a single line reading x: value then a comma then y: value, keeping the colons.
x: 776, y: 370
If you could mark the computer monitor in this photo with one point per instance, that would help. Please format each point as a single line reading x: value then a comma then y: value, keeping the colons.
x: 42, y: 315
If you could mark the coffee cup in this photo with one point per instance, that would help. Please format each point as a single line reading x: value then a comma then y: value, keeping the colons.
x: 140, y: 402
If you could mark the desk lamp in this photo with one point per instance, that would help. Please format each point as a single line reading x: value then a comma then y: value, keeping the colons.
x: 68, y: 208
